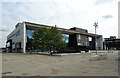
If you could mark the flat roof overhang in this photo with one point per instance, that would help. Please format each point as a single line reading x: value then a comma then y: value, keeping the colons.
x: 30, y: 25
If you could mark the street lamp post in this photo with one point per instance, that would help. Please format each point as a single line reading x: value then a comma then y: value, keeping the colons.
x: 96, y: 25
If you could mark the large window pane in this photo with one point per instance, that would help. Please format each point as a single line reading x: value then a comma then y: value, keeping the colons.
x: 29, y: 33
x: 65, y: 37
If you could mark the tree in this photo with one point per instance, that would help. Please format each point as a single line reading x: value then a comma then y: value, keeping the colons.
x: 57, y: 38
x: 47, y: 38
x: 29, y: 43
x: 39, y: 38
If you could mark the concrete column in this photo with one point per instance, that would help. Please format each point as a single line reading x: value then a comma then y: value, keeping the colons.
x: 24, y: 37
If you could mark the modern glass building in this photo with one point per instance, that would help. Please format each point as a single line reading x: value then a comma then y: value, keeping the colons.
x: 76, y: 38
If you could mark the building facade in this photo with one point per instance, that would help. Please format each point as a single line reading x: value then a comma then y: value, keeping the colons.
x: 111, y: 43
x: 76, y: 38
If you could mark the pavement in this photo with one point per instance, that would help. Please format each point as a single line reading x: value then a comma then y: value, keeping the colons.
x: 75, y: 64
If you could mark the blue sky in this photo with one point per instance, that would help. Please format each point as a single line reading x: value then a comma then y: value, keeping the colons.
x: 63, y: 13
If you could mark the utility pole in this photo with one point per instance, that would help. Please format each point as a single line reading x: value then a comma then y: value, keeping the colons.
x: 96, y: 25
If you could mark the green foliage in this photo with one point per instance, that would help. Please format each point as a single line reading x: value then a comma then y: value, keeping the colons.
x: 47, y: 38
x: 29, y: 43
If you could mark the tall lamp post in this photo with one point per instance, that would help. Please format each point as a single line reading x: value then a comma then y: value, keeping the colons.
x: 96, y: 26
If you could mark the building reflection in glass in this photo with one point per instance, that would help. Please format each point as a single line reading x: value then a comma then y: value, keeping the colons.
x: 65, y: 37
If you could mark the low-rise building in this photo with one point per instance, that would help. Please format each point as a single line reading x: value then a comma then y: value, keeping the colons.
x: 111, y: 43
x: 76, y: 38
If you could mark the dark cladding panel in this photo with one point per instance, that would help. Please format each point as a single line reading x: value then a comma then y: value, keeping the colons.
x: 79, y: 30
x: 72, y: 40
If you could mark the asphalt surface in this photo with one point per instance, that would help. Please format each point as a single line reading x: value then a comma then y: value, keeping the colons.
x: 18, y: 64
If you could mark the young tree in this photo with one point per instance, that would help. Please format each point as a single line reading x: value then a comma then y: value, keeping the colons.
x: 47, y: 38
x: 54, y: 38
x: 29, y: 43
x: 39, y: 38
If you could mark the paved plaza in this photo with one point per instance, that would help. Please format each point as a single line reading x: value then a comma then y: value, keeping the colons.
x: 19, y: 64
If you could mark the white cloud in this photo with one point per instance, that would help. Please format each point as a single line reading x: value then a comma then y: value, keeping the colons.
x: 64, y: 13
x: 99, y: 2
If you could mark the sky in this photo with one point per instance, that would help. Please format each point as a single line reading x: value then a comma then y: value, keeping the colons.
x: 63, y: 13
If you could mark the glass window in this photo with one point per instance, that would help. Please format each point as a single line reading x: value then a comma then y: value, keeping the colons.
x: 18, y: 33
x: 65, y: 37
x: 79, y: 37
x: 79, y: 43
x: 8, y: 44
x: 29, y: 33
